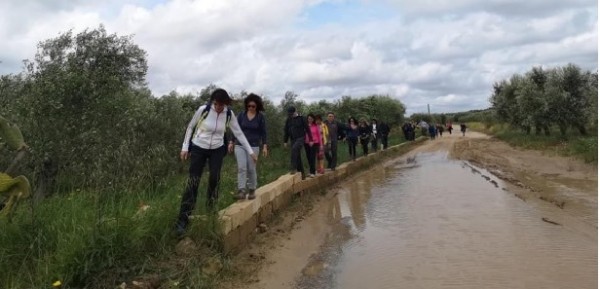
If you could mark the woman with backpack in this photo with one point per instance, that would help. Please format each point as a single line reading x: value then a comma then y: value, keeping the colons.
x: 253, y: 124
x: 204, y: 144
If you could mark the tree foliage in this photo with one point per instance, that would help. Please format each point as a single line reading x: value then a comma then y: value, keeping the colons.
x: 91, y: 121
x: 562, y: 96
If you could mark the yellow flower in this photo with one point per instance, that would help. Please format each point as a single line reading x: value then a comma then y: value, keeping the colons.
x: 56, y: 284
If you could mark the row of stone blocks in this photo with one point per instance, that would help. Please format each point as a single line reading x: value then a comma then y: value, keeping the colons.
x: 240, y: 220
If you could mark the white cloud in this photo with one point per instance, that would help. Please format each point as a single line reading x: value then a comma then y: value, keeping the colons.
x: 445, y: 53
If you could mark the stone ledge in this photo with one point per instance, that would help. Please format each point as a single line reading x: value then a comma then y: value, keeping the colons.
x: 240, y: 219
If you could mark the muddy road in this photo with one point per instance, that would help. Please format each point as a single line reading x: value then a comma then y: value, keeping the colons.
x: 456, y: 212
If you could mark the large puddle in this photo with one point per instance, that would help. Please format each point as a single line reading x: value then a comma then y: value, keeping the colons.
x: 431, y: 222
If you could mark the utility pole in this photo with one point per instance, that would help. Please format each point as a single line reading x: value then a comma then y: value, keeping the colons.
x: 428, y: 111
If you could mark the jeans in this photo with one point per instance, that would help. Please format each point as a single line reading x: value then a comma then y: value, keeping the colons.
x: 246, y: 168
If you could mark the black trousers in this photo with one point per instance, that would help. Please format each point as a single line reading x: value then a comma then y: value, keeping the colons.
x: 365, y: 146
x: 311, y: 155
x: 296, y: 156
x: 352, y: 142
x: 331, y: 155
x: 384, y: 141
x: 199, y: 158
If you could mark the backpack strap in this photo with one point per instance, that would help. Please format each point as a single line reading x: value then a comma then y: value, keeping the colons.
x: 203, y: 116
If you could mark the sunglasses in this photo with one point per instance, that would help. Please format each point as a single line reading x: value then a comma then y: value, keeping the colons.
x: 251, y: 105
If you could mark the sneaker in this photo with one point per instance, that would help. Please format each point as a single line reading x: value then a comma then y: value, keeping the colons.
x: 251, y: 194
x: 241, y: 195
x: 311, y: 175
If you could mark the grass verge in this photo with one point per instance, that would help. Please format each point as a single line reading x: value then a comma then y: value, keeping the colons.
x: 99, y: 239
x: 573, y: 144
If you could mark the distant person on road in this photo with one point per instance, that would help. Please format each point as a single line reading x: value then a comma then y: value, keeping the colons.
x: 352, y: 136
x: 384, y: 131
x: 449, y: 127
x: 312, y: 142
x: 375, y: 134
x: 364, y: 133
x: 253, y: 124
x: 204, y: 144
x: 336, y: 132
x: 440, y: 129
x: 324, y: 132
x: 463, y: 128
x: 432, y: 132
x: 295, y: 130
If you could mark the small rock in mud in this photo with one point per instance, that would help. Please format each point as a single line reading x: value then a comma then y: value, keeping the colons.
x: 185, y: 247
x: 263, y: 227
x: 212, y: 266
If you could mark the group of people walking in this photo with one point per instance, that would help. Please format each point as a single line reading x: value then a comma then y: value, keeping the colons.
x: 320, y: 139
x: 206, y: 144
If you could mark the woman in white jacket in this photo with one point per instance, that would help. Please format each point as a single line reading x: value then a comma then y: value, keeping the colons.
x: 204, y: 143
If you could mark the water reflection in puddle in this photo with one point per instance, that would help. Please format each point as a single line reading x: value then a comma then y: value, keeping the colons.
x: 429, y: 222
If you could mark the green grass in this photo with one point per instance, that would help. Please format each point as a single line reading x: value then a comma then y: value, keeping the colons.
x: 573, y: 144
x: 98, y: 239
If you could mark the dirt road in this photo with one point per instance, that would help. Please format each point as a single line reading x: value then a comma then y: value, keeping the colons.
x: 456, y: 212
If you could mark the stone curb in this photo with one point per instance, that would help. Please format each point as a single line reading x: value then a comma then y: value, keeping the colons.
x: 240, y: 219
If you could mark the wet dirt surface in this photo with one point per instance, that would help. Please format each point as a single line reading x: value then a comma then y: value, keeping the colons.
x: 427, y: 220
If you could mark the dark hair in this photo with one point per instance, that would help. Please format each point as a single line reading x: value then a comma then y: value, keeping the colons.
x: 256, y: 99
x: 353, y: 119
x: 311, y: 115
x: 220, y: 95
x: 331, y: 112
x: 318, y: 117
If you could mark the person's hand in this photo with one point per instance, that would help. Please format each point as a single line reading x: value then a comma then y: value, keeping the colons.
x: 285, y: 145
x: 310, y: 143
x: 265, y: 151
x: 183, y: 155
x: 230, y: 148
x: 254, y: 157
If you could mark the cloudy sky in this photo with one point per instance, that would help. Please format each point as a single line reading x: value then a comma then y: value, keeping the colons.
x: 446, y: 53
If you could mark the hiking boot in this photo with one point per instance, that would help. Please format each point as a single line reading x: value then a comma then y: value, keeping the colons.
x: 241, y: 195
x: 251, y: 194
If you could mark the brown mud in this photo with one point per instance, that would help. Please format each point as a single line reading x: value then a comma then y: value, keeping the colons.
x: 540, y: 210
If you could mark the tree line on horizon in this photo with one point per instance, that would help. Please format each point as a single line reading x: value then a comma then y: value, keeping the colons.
x: 91, y: 121
x: 562, y: 97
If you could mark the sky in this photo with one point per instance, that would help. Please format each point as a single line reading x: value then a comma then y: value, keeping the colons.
x: 446, y: 54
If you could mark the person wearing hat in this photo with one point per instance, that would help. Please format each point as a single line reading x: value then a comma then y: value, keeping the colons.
x: 295, y: 130
x: 204, y: 143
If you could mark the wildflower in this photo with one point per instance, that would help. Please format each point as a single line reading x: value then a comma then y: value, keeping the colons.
x: 56, y: 284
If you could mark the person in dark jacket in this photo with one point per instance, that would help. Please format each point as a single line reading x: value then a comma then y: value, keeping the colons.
x: 463, y: 128
x: 384, y: 131
x: 364, y: 134
x: 352, y: 136
x: 295, y: 129
x: 432, y: 131
x: 336, y: 132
